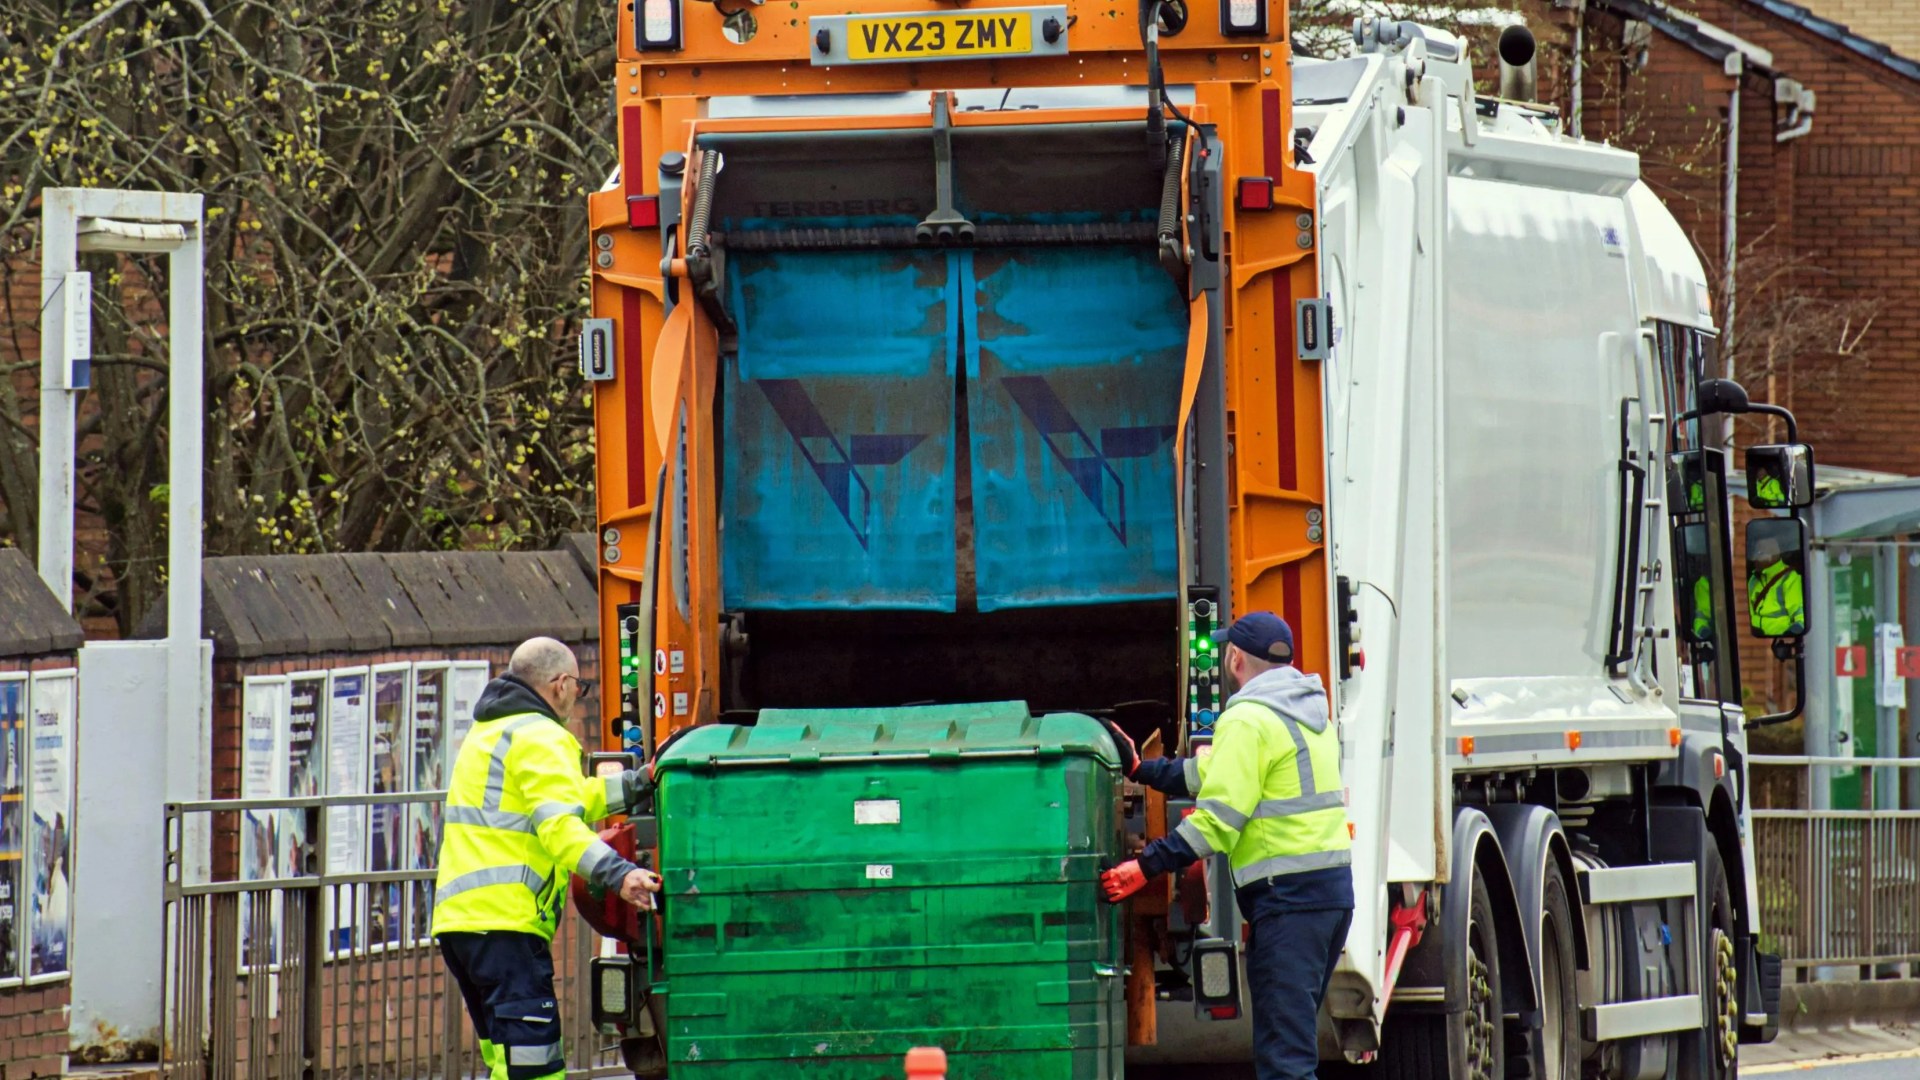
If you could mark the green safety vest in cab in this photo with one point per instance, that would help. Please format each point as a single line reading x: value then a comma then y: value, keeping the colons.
x: 1776, y: 601
x: 1702, y: 608
x: 516, y: 828
x: 1270, y: 794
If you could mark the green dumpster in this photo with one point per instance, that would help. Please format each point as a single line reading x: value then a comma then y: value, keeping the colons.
x: 842, y: 886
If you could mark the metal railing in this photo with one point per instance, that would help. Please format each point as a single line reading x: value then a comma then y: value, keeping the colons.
x: 323, y: 975
x: 1838, y: 888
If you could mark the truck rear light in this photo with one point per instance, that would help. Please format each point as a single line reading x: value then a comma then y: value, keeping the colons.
x: 1216, y: 973
x: 612, y: 991
x: 643, y: 211
x: 1224, y: 1012
x: 1243, y: 16
x: 656, y: 25
x: 1256, y: 193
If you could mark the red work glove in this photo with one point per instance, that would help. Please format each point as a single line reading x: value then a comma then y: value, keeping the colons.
x: 1123, y: 881
x: 1123, y: 744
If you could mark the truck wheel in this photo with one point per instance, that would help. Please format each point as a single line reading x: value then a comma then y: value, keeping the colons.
x: 1714, y: 1054
x: 1479, y: 1038
x: 1559, y: 996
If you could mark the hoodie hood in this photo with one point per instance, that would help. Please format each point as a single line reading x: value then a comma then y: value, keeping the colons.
x: 508, y: 696
x: 1289, y: 692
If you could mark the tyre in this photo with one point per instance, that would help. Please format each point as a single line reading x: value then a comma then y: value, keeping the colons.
x: 1714, y: 1054
x: 1434, y: 1046
x: 1559, y: 994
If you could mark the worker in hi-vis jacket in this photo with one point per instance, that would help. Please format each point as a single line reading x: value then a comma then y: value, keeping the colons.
x: 1269, y: 796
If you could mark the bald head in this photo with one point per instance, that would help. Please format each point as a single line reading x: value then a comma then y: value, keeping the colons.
x: 550, y: 668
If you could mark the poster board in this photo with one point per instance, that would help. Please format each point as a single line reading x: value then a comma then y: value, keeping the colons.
x: 349, y: 709
x: 305, y: 765
x: 428, y: 747
x: 465, y: 680
x: 49, y: 823
x: 264, y: 734
x: 13, y: 827
x: 388, y: 760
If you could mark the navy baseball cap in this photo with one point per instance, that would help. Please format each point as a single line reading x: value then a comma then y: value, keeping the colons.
x: 1260, y: 634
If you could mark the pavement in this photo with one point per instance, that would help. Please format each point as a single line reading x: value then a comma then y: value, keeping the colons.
x: 1901, y: 1065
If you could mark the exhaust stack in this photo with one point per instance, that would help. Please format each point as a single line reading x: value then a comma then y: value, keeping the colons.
x: 1519, y: 81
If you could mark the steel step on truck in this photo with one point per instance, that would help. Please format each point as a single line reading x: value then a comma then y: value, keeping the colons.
x: 959, y: 367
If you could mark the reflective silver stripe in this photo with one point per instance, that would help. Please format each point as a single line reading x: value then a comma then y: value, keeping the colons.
x: 1303, y: 804
x: 546, y: 812
x: 1291, y: 864
x: 492, y: 875
x: 489, y: 819
x: 535, y: 1055
x: 1232, y: 818
x: 1195, y: 839
x: 603, y: 866
x: 616, y: 794
x: 1190, y: 770
x: 1302, y: 758
x: 497, y: 764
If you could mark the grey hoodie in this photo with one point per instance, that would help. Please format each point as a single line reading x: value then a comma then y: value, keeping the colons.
x: 1290, y: 692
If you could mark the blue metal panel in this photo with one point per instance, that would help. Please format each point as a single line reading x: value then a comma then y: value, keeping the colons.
x: 1074, y: 361
x: 839, y: 409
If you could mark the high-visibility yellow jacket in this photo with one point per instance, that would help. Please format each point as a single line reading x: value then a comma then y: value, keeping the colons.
x: 1702, y: 608
x: 515, y: 823
x: 1776, y: 600
x: 1269, y: 793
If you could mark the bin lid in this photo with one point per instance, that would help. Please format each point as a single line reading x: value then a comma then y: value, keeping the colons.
x: 919, y: 732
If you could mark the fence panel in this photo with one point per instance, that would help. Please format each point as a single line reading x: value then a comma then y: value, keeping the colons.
x: 324, y: 974
x: 1838, y: 888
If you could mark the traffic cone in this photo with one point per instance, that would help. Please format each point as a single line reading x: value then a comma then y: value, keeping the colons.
x: 926, y: 1063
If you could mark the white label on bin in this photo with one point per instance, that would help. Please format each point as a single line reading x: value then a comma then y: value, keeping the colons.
x: 879, y: 871
x: 876, y: 812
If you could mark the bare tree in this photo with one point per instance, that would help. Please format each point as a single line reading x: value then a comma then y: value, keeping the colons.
x: 395, y: 243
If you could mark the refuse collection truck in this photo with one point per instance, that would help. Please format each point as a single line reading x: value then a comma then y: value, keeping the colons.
x: 959, y: 367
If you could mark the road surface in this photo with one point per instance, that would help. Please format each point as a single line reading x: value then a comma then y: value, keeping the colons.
x: 1902, y: 1066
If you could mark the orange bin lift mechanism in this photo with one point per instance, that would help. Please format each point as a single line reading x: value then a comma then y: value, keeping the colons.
x: 668, y: 368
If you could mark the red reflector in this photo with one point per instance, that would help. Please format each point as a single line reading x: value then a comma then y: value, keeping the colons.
x: 643, y: 211
x: 1224, y: 1012
x: 1256, y: 193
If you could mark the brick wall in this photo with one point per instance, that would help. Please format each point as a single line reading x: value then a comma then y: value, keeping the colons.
x: 1889, y: 22
x: 33, y: 1019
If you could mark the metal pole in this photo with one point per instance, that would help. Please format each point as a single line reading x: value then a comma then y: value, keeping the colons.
x: 1886, y: 602
x: 59, y: 255
x: 1818, y: 732
x: 1911, y: 748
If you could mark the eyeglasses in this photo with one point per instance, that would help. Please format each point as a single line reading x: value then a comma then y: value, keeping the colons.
x: 586, y: 685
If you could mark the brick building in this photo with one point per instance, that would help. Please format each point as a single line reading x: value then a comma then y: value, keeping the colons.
x: 37, y: 643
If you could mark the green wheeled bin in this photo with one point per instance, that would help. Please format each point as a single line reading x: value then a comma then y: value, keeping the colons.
x: 843, y: 886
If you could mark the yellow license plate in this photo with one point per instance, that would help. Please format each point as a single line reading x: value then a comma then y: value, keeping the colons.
x: 920, y: 36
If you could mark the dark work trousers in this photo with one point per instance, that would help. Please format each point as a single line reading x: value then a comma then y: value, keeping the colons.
x: 507, y: 980
x: 1290, y: 958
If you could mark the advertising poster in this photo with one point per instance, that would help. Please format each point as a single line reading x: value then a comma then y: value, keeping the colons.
x: 388, y: 757
x: 49, y: 836
x: 348, y: 706
x: 13, y: 822
x: 465, y: 682
x: 263, y: 772
x: 428, y: 739
x: 306, y: 720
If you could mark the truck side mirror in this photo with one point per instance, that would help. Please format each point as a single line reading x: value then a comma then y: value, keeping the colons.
x: 1780, y: 477
x: 1776, y: 581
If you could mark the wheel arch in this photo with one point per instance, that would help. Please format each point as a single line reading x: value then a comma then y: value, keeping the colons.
x: 1477, y: 850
